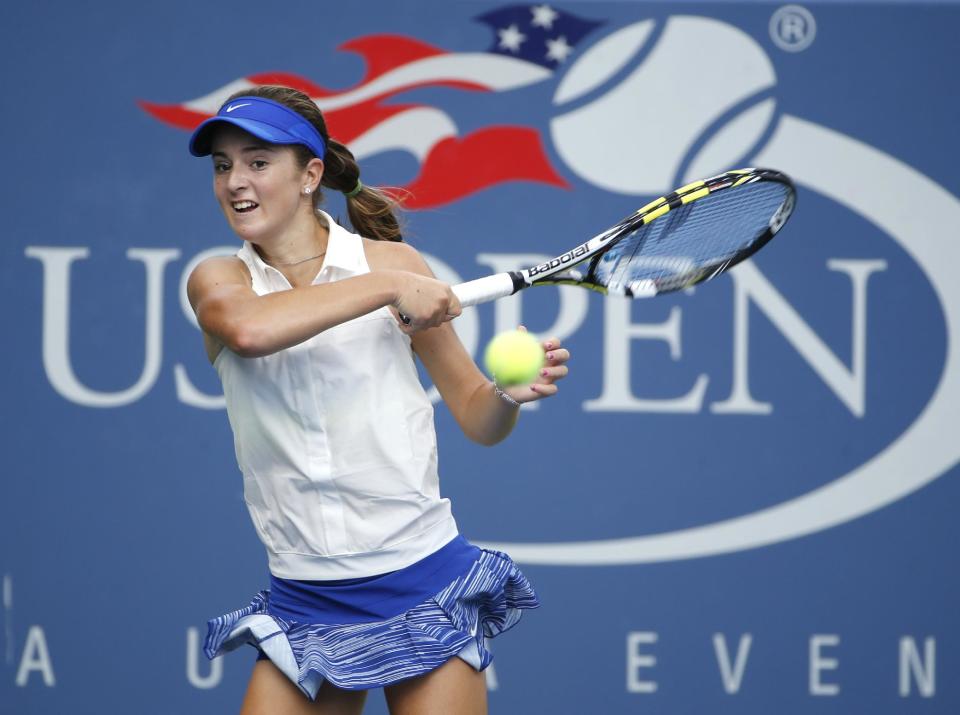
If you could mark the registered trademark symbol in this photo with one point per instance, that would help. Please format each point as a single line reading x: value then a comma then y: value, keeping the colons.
x: 792, y: 28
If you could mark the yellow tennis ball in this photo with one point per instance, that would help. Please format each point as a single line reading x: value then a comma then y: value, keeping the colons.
x: 514, y: 358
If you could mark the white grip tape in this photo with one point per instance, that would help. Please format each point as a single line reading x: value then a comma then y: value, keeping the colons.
x: 484, y: 289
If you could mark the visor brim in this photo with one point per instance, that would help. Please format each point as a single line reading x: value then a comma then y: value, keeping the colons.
x: 202, y: 138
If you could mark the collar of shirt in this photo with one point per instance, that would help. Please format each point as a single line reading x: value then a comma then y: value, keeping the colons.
x: 344, y: 258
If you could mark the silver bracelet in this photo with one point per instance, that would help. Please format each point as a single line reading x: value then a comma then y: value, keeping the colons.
x: 504, y: 396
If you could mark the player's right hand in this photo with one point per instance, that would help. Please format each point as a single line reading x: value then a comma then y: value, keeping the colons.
x: 423, y: 302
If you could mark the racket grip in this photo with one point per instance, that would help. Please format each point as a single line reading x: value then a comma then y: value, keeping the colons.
x: 485, y: 289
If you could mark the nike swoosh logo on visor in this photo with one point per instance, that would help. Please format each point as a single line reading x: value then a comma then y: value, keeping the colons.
x: 237, y: 106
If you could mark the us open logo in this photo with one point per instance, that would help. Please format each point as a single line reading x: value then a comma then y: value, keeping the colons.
x: 721, y: 120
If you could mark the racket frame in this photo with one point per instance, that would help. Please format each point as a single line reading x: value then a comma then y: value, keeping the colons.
x: 559, y: 270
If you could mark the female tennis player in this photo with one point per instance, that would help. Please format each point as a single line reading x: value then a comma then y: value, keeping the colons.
x: 371, y: 584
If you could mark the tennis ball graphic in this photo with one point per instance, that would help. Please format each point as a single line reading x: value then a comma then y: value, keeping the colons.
x: 514, y: 358
x: 696, y: 97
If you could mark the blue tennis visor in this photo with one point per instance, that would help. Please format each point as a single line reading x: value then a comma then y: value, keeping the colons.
x: 265, y: 119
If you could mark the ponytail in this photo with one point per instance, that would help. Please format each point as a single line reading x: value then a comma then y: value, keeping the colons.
x: 371, y: 211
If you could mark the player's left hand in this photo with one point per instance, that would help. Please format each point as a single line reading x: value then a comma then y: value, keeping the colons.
x: 554, y: 369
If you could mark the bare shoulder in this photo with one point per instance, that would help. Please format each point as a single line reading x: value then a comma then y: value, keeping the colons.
x: 216, y: 266
x: 214, y: 272
x: 394, y: 255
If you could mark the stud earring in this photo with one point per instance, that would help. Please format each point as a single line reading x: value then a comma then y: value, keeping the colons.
x: 306, y: 190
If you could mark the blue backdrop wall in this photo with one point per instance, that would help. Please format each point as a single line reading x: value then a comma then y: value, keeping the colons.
x: 749, y: 489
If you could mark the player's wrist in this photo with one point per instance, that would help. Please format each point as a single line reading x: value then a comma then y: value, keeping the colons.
x: 504, y: 397
x: 391, y: 285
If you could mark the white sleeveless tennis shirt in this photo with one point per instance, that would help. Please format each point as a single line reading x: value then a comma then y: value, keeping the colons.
x: 335, y: 440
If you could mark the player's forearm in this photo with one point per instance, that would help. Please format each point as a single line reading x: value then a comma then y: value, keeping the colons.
x: 266, y: 324
x: 488, y: 419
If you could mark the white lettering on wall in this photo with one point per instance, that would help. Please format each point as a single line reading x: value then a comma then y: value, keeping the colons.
x: 201, y: 682
x: 732, y: 675
x: 916, y: 668
x: 749, y: 285
x: 847, y: 384
x: 820, y: 663
x: 56, y: 323
x: 8, y: 618
x: 924, y: 672
x: 35, y: 658
x: 637, y: 660
x: 618, y: 333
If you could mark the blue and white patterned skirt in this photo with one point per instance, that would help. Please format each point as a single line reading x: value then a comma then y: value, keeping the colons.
x: 369, y: 633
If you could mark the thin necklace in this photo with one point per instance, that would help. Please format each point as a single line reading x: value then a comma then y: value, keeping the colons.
x: 297, y: 263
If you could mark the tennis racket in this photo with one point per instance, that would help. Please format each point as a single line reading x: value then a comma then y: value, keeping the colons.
x: 681, y: 239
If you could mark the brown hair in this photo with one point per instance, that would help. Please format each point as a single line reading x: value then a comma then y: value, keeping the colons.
x: 371, y: 210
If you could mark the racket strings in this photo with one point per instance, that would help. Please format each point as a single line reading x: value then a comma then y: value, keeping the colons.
x: 691, y: 241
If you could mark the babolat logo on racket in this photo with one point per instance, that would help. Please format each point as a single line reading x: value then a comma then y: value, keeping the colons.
x: 567, y: 257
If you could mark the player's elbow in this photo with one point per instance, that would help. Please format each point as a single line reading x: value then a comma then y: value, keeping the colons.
x: 251, y: 337
x: 246, y: 341
x: 485, y: 437
x: 240, y: 335
x: 488, y: 440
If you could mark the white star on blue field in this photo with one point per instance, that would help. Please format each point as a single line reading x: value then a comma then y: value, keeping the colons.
x: 536, y: 33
